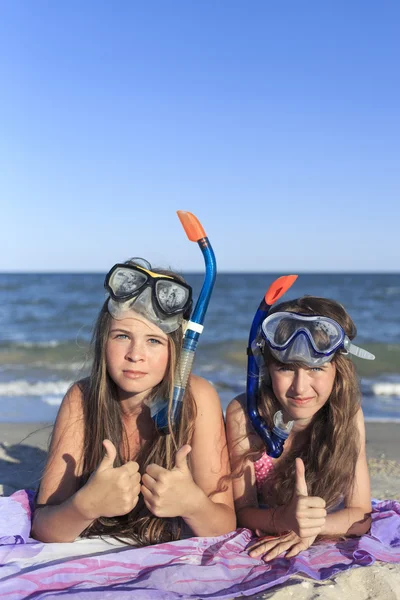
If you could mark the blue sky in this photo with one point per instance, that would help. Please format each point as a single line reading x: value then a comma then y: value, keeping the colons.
x: 275, y: 122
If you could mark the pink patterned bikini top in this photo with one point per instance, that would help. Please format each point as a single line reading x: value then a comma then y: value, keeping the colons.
x: 263, y: 469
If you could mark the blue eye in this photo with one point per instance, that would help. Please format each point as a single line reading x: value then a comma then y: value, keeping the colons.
x: 154, y: 341
x: 121, y: 336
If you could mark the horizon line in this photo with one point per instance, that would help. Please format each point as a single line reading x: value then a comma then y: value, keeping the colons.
x: 222, y: 272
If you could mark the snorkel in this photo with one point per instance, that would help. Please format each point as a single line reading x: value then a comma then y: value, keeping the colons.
x: 159, y: 409
x: 274, y: 439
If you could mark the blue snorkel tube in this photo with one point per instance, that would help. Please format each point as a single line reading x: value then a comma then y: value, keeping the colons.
x: 274, y: 439
x: 159, y: 411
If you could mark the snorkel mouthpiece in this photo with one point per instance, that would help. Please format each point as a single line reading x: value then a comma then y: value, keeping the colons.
x: 159, y: 410
x: 274, y: 439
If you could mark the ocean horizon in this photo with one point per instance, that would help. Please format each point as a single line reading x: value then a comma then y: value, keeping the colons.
x: 46, y: 322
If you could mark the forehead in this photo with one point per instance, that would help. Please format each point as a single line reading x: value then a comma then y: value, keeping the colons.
x: 328, y: 367
x: 137, y: 323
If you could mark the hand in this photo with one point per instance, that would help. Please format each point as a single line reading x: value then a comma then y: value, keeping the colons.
x: 305, y: 515
x: 170, y: 493
x: 271, y: 547
x: 110, y: 491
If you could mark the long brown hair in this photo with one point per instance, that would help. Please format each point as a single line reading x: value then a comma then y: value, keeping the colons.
x: 329, y: 446
x: 103, y: 420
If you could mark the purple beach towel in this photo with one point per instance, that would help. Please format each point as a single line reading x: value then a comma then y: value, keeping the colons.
x: 195, y: 568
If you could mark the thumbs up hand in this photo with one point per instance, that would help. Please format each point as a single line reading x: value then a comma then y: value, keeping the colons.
x: 110, y: 491
x: 305, y: 515
x: 170, y: 493
x: 109, y: 456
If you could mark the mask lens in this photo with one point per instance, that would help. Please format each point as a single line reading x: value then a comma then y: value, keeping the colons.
x: 125, y: 282
x: 323, y: 333
x: 171, y: 296
x: 279, y: 329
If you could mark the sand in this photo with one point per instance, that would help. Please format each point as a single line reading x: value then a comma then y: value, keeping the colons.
x: 23, y: 450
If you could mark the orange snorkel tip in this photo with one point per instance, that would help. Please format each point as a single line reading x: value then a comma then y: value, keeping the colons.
x: 279, y: 287
x: 192, y: 226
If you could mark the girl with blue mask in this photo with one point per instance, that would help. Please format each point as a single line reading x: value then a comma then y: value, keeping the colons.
x: 297, y: 441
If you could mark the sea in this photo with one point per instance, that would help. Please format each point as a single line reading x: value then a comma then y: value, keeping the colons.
x: 46, y: 323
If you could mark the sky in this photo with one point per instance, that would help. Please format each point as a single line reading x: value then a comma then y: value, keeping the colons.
x: 277, y: 123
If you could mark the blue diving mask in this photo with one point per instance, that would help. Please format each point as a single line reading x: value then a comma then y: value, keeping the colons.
x: 309, y: 339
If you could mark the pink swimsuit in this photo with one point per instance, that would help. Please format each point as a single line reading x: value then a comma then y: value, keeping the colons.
x: 263, y: 469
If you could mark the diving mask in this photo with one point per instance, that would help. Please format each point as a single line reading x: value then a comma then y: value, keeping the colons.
x: 162, y: 299
x: 309, y: 339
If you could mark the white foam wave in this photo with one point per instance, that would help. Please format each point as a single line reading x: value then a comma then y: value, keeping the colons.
x: 386, y: 389
x: 48, y: 344
x: 22, y: 387
x: 46, y: 365
x: 53, y: 400
x: 380, y: 420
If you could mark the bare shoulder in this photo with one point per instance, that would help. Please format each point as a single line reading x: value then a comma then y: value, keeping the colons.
x: 204, y: 393
x: 239, y: 431
x: 237, y: 407
x: 73, y: 399
x: 237, y: 419
x: 70, y: 414
x: 68, y: 429
x: 360, y: 421
x: 360, y: 424
x: 64, y: 463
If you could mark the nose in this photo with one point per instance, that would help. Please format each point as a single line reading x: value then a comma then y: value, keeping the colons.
x: 299, y: 385
x: 135, y: 351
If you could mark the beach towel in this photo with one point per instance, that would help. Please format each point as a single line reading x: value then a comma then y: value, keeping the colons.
x: 194, y: 568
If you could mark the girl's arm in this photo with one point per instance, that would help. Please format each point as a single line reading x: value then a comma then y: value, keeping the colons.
x: 63, y: 511
x: 241, y: 438
x: 209, y: 462
x: 58, y: 516
x: 186, y: 492
x: 354, y: 519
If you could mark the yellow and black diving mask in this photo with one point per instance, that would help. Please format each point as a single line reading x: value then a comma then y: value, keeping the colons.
x: 162, y: 299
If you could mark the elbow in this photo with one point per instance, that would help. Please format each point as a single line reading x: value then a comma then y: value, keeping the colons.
x: 36, y: 531
x: 42, y: 533
x: 229, y: 523
x: 361, y: 526
x: 48, y: 538
x: 232, y: 523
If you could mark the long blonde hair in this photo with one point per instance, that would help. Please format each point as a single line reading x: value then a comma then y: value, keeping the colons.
x: 103, y: 420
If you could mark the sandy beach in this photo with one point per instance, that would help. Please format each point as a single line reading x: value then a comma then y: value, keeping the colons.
x: 23, y: 451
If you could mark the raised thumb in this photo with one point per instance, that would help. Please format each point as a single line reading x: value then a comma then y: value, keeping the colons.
x: 109, y: 457
x: 301, y: 485
x: 181, y: 457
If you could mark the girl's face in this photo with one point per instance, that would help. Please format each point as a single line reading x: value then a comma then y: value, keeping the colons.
x: 302, y: 391
x: 137, y: 353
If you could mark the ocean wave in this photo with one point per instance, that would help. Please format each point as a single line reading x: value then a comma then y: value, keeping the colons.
x: 46, y: 366
x: 53, y: 400
x: 386, y: 389
x: 47, y: 344
x: 15, y: 342
x: 21, y: 387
